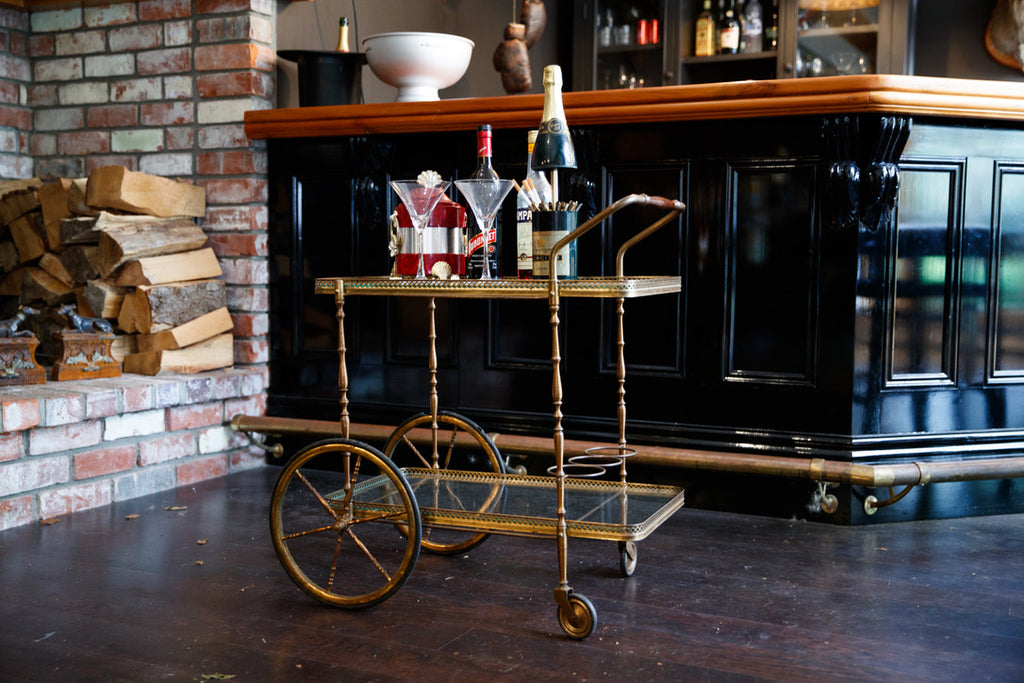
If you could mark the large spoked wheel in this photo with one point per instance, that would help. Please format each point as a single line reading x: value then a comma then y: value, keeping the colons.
x: 580, y: 619
x: 334, y: 519
x: 461, y: 445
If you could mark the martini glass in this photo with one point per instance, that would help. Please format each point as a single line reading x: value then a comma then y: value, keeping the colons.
x: 419, y: 201
x: 484, y: 196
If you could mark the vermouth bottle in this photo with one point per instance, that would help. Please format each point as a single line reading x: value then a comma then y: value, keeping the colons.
x: 729, y: 31
x: 474, y: 249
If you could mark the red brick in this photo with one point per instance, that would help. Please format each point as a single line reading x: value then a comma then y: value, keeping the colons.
x: 43, y: 95
x: 236, y: 162
x: 113, y: 116
x: 181, y: 137
x: 83, y: 142
x: 12, y: 446
x: 167, y: 447
x: 105, y: 461
x: 92, y: 163
x: 175, y: 60
x: 251, y: 405
x: 70, y: 499
x: 30, y: 474
x: 232, y: 244
x: 60, y: 439
x: 243, y: 271
x: 19, y: 45
x: 202, y: 469
x: 158, y: 10
x: 251, y: 351
x: 247, y: 459
x: 215, y: 6
x: 15, y: 117
x: 10, y: 93
x: 250, y: 324
x: 19, y: 414
x: 195, y: 416
x: 167, y: 113
x: 235, y: 218
x: 235, y: 190
x: 248, y: 298
x: 15, y: 512
x: 41, y: 46
x: 136, y: 37
x: 234, y: 83
x: 234, y: 56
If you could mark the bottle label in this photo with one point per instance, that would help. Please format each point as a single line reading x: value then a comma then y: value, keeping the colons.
x: 565, y: 261
x: 730, y: 38
x: 705, y: 42
x: 524, y: 242
x: 475, y: 254
x: 483, y: 144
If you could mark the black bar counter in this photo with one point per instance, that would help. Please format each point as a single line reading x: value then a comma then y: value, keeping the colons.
x: 852, y: 258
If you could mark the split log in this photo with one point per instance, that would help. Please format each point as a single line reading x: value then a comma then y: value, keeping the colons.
x: 194, y: 331
x: 9, y: 259
x: 27, y: 233
x: 55, y: 267
x: 124, y: 240
x: 123, y: 345
x: 104, y: 298
x: 10, y: 285
x: 153, y: 308
x: 53, y: 201
x: 78, y: 260
x: 79, y: 230
x: 38, y: 285
x: 16, y: 204
x: 22, y: 184
x: 183, y: 266
x: 116, y: 187
x: 77, y: 205
x: 212, y: 354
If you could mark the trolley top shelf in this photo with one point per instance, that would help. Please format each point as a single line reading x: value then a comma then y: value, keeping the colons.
x: 504, y: 288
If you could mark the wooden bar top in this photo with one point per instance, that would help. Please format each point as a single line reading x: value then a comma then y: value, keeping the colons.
x: 912, y: 95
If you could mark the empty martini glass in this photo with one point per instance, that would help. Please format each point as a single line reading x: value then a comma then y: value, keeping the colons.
x: 484, y: 196
x: 420, y: 197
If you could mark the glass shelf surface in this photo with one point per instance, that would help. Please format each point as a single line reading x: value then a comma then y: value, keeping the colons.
x: 524, y: 505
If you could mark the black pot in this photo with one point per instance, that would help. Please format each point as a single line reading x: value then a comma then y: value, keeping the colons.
x: 328, y: 77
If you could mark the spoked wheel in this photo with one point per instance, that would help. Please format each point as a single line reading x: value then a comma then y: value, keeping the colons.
x: 461, y: 445
x: 580, y: 620
x: 334, y: 515
x: 627, y: 557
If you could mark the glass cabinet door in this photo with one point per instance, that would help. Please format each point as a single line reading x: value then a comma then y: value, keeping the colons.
x: 629, y: 43
x: 847, y: 37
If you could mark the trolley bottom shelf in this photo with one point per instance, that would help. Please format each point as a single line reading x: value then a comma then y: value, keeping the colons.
x: 523, y: 505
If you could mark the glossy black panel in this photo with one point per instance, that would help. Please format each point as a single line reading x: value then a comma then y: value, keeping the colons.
x: 771, y: 292
x: 1008, y: 334
x: 926, y: 275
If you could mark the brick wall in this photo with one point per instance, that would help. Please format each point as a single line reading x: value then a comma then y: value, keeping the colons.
x: 159, y: 86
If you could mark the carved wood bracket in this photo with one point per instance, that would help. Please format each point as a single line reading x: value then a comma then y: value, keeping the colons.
x: 861, y: 185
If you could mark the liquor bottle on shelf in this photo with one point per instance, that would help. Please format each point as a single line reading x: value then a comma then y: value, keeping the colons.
x: 535, y: 190
x: 484, y: 166
x: 477, y: 243
x: 704, y: 35
x: 729, y: 31
x: 753, y: 27
x: 771, y: 27
x: 342, y: 35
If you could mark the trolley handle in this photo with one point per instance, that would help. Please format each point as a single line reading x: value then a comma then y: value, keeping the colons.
x: 673, y: 206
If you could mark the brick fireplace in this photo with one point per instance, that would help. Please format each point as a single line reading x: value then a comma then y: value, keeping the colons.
x: 159, y: 86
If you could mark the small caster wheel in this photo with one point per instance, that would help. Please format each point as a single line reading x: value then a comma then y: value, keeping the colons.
x: 627, y: 557
x: 579, y: 621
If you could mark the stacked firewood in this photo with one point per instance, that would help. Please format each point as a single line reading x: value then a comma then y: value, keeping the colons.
x: 123, y: 246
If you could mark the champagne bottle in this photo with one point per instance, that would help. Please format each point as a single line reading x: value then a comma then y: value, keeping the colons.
x: 729, y: 31
x: 704, y: 38
x: 478, y: 242
x: 554, y: 149
x: 342, y: 35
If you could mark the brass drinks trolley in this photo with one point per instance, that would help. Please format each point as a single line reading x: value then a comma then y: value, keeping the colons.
x: 348, y: 520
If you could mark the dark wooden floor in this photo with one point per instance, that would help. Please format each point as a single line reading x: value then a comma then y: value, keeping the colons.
x: 716, y: 596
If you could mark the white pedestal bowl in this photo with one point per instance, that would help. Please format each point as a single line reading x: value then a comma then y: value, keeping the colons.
x: 417, y: 63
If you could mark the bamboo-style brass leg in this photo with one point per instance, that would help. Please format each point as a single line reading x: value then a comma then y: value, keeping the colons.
x: 432, y: 365
x: 339, y: 300
x: 621, y: 372
x: 561, y: 529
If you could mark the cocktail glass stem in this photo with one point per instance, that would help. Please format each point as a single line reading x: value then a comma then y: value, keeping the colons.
x: 419, y: 201
x: 485, y: 197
